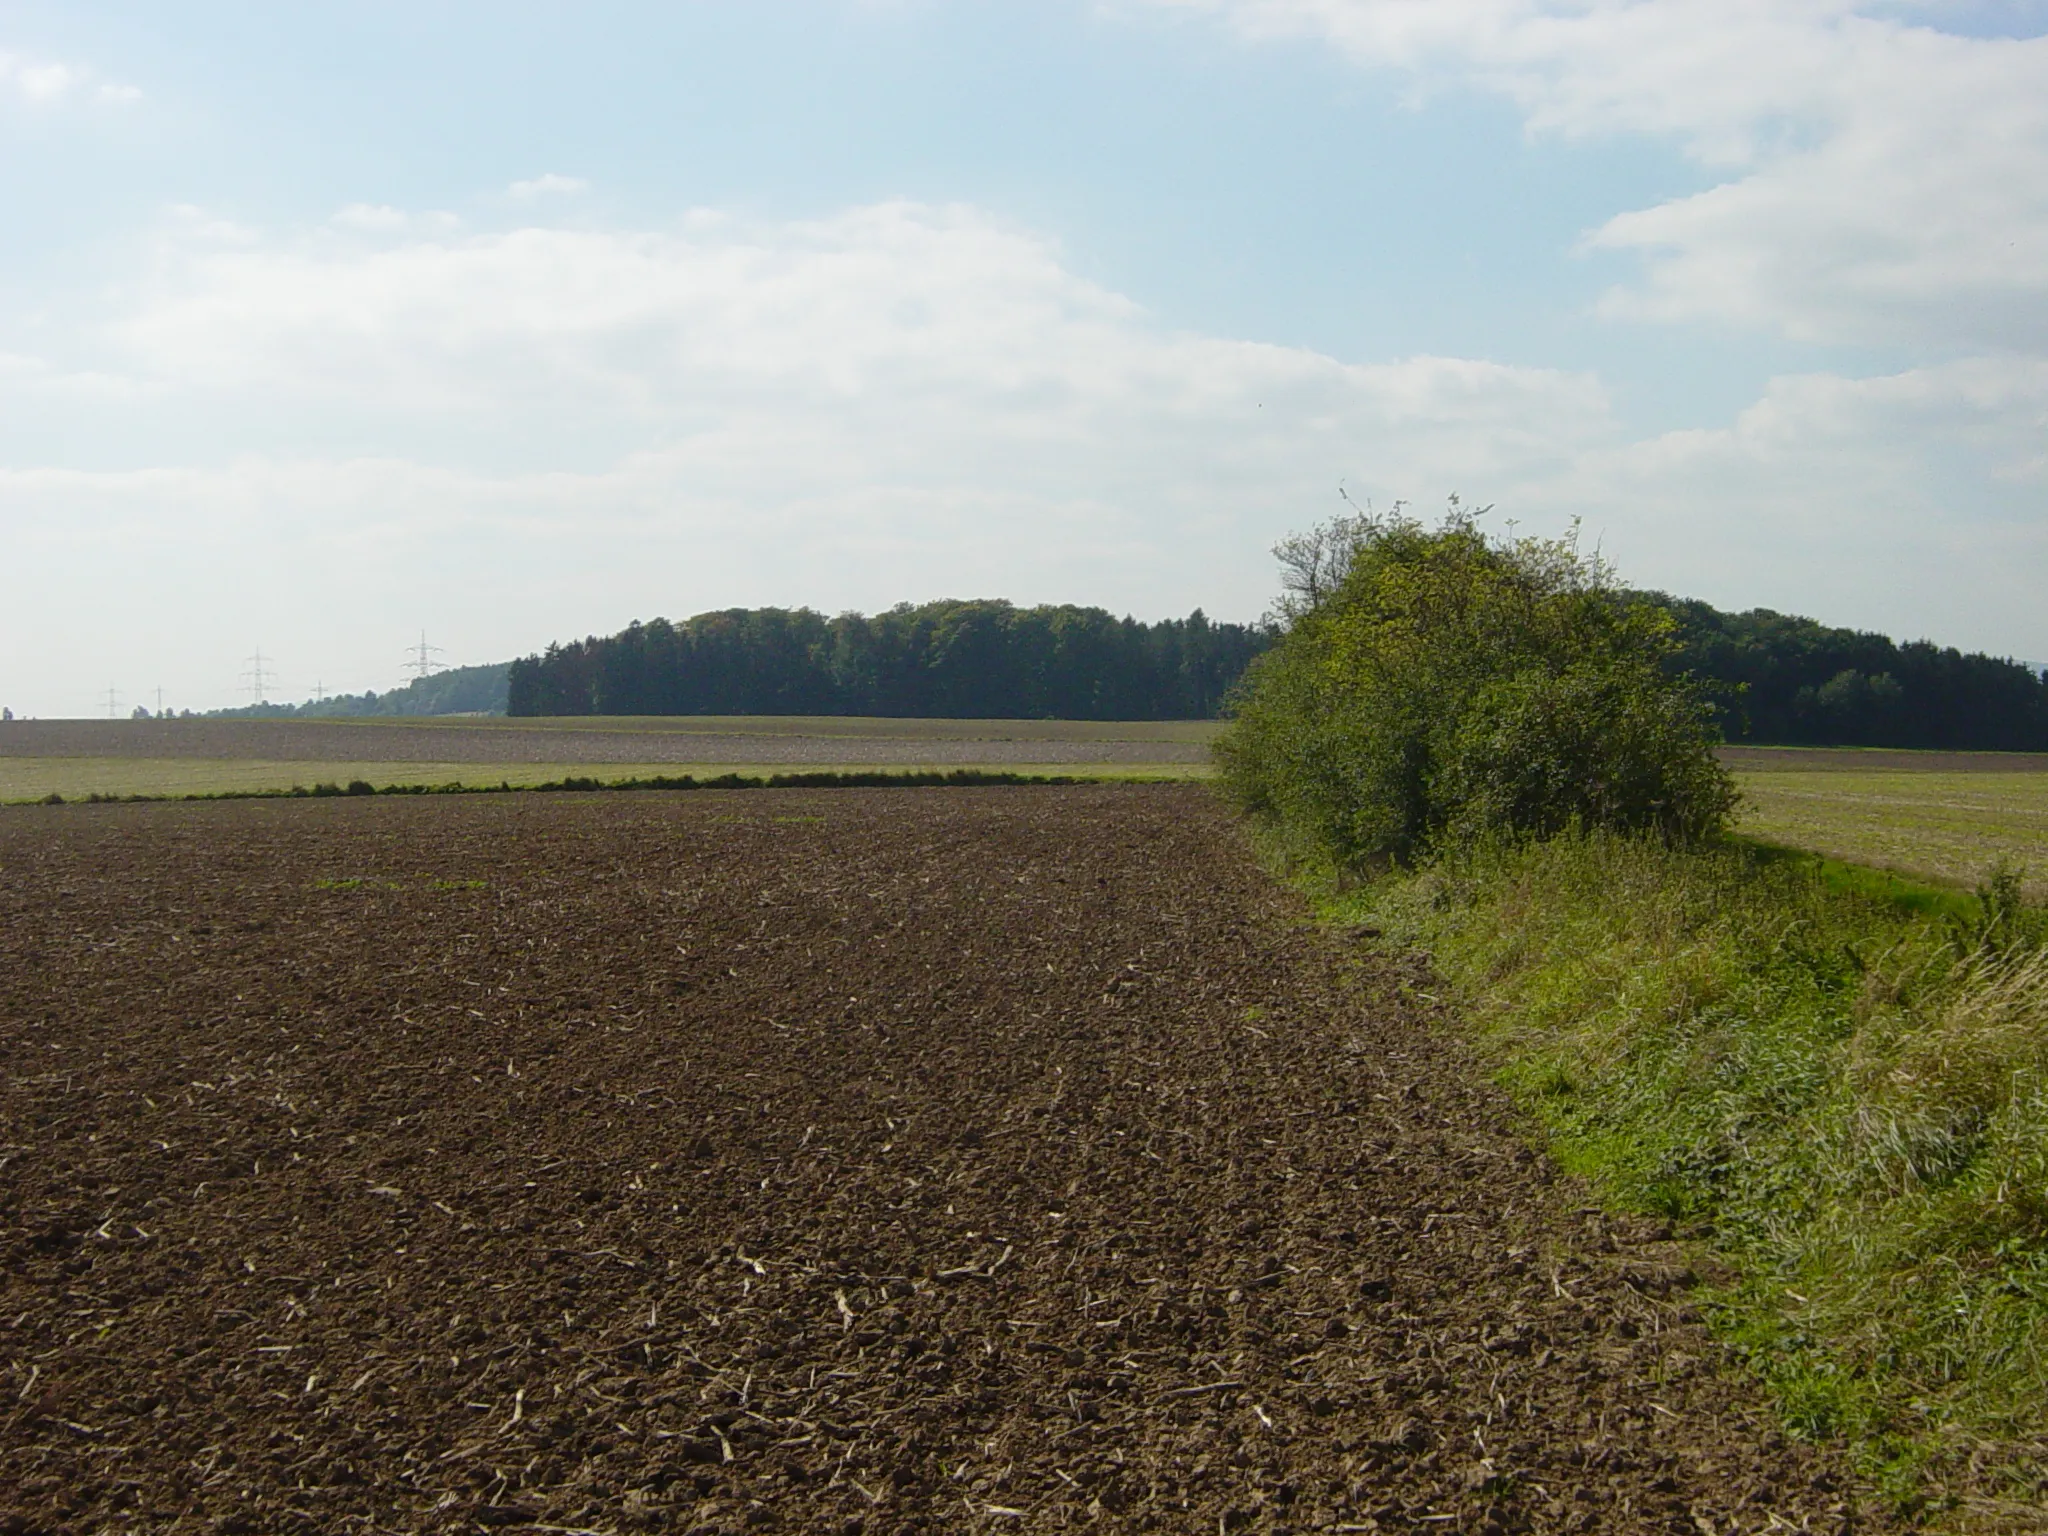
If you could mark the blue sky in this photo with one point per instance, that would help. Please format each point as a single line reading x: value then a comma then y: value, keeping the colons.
x: 320, y: 324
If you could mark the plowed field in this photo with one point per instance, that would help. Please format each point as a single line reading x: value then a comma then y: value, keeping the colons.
x: 858, y: 1161
x: 797, y: 742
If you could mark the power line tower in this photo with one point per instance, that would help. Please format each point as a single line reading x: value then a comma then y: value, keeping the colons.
x: 423, y: 666
x: 113, y: 702
x: 259, y: 678
x: 319, y: 691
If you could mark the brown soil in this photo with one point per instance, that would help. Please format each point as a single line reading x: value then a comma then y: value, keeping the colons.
x: 955, y: 1160
x: 341, y: 741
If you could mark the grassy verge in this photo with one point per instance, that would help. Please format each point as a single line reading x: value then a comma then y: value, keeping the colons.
x: 1835, y: 1079
x: 830, y: 779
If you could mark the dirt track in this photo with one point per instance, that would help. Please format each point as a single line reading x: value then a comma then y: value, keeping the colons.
x: 950, y: 1160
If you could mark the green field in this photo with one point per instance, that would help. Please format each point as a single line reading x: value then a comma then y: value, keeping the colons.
x: 1940, y: 825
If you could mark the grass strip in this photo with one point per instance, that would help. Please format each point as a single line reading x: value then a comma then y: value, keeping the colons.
x: 908, y: 779
x: 1832, y: 1079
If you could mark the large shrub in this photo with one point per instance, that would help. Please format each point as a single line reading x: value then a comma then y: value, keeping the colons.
x: 1435, y: 685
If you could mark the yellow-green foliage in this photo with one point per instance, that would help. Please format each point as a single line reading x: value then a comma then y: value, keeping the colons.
x: 1437, y: 685
x: 1847, y: 1095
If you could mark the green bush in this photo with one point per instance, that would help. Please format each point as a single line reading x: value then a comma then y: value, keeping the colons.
x: 1435, y: 686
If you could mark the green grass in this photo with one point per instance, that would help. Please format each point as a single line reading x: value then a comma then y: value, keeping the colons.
x: 1834, y: 1078
x: 1928, y: 824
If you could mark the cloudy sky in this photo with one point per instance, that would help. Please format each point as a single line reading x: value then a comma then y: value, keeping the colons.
x: 323, y: 324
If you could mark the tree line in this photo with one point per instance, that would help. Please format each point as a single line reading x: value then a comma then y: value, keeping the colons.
x: 1769, y: 677
x: 984, y: 659
x: 1785, y: 680
x: 451, y: 691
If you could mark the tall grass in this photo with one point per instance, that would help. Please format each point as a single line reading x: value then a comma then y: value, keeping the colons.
x: 1841, y: 1086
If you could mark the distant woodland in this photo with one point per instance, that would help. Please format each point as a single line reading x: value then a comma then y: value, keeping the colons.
x: 1789, y: 681
x: 944, y: 660
x: 1775, y: 678
x: 451, y: 691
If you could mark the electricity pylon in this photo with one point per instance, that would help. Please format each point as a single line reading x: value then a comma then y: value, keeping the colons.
x: 423, y: 666
x: 258, y: 678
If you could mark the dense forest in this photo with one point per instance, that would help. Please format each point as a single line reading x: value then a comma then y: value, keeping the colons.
x: 1773, y: 677
x: 1790, y: 681
x: 959, y: 660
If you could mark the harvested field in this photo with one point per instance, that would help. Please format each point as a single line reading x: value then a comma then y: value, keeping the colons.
x: 1874, y: 760
x: 24, y: 779
x: 1878, y: 760
x: 851, y: 1161
x: 76, y: 758
x: 660, y: 739
x: 1945, y: 826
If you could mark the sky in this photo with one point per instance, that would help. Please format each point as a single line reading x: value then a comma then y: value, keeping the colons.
x: 325, y: 325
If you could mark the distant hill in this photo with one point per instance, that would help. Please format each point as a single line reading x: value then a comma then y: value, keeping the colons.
x: 1786, y: 680
x: 981, y: 659
x: 1779, y: 678
x: 457, y: 691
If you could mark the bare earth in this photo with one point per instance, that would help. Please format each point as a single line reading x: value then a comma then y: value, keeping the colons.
x: 782, y: 740
x: 851, y: 1162
x: 1941, y: 817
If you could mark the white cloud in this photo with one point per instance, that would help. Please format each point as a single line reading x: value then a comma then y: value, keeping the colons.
x: 528, y: 432
x: 374, y: 217
x: 381, y: 219
x: 516, y: 435
x: 549, y: 185
x: 45, y: 82
x: 1886, y: 182
x: 1908, y: 503
x: 889, y: 309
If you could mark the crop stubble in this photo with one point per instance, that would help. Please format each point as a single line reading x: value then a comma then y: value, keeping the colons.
x: 877, y: 1161
x: 796, y: 741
